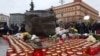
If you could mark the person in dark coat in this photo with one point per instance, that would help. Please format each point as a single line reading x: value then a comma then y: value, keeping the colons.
x: 83, y: 27
x: 11, y: 29
x: 22, y: 28
x: 15, y: 29
x: 87, y: 27
x: 93, y: 27
x: 5, y: 28
x: 96, y: 27
x: 79, y: 26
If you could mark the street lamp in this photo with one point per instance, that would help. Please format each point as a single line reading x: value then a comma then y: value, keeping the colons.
x: 87, y: 22
x: 62, y: 2
x: 62, y: 23
x: 87, y: 17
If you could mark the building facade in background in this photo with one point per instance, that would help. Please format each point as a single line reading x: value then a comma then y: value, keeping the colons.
x: 4, y: 19
x: 74, y: 11
x: 16, y: 18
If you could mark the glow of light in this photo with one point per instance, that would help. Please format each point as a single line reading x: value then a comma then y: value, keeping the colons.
x: 86, y: 17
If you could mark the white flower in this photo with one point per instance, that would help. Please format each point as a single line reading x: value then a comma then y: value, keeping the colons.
x: 60, y: 31
x: 33, y: 37
x: 85, y: 34
x: 64, y: 36
x: 37, y: 40
x: 91, y: 38
x: 19, y: 35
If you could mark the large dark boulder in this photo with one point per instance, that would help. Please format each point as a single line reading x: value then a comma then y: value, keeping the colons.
x: 41, y: 22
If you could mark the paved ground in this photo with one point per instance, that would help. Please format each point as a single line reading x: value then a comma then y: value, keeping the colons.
x: 3, y: 47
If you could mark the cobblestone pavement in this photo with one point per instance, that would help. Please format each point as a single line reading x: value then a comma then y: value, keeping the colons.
x: 3, y: 47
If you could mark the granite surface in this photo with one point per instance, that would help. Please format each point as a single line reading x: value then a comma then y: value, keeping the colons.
x: 3, y: 47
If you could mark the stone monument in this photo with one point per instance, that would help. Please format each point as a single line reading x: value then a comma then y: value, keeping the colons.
x: 40, y: 22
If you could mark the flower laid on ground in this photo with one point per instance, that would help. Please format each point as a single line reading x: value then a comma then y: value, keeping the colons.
x: 64, y: 36
x: 91, y: 38
x: 26, y: 36
x: 36, y: 41
x: 54, y: 36
x: 60, y: 31
x: 22, y: 35
x: 73, y: 30
x: 34, y: 37
x: 25, y: 33
x: 19, y: 35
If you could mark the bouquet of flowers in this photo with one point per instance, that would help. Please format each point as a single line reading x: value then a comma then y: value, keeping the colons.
x: 26, y: 36
x: 36, y: 42
x: 73, y: 30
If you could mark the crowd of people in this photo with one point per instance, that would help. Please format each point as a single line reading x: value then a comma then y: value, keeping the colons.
x: 84, y: 27
x: 12, y: 29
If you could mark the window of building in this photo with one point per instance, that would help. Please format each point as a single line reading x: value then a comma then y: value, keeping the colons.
x: 77, y: 13
x: 70, y: 9
x: 66, y: 14
x: 73, y: 8
x: 65, y: 9
x: 77, y: 7
x: 70, y: 13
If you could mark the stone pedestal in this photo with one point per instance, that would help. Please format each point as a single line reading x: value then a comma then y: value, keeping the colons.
x: 40, y: 22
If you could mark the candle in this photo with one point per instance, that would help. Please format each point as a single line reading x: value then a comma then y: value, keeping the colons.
x: 14, y: 54
x: 9, y: 52
x: 38, y: 52
x: 48, y: 53
x: 79, y: 53
x: 63, y: 54
x: 22, y: 54
x: 54, y: 54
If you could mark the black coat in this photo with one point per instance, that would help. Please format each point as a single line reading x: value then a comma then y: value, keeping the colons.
x: 95, y: 26
x: 82, y: 28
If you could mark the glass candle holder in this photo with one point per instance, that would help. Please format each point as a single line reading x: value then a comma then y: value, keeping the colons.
x: 9, y: 52
x: 63, y: 50
x: 74, y: 50
x: 79, y: 49
x: 58, y: 51
x: 68, y: 49
x: 79, y: 53
x: 73, y: 55
x: 53, y: 50
x: 58, y: 48
x: 54, y: 54
x: 69, y: 53
x: 48, y: 53
x: 38, y: 52
x: 64, y: 54
x: 30, y: 53
x: 14, y: 54
x: 22, y: 54
x: 84, y: 50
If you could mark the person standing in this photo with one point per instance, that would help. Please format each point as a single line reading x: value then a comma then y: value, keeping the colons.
x: 79, y: 26
x: 15, y: 29
x: 11, y: 29
x: 22, y: 28
x: 5, y: 28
